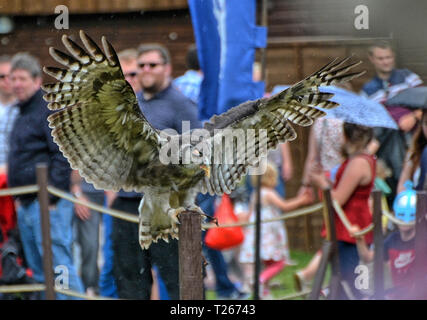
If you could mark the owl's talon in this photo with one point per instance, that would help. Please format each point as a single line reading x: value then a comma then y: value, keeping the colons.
x: 198, y: 210
x: 174, y: 215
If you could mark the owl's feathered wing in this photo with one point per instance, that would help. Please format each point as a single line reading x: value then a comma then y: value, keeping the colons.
x: 298, y: 105
x: 103, y: 134
x: 99, y: 127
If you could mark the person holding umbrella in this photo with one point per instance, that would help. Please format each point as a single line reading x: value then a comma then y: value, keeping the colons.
x: 354, y: 109
x: 388, y: 82
x: 391, y: 145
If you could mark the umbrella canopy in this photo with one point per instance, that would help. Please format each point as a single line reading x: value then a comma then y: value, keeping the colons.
x: 412, y: 97
x: 354, y: 108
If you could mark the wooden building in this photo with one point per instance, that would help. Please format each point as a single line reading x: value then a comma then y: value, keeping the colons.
x: 302, y: 36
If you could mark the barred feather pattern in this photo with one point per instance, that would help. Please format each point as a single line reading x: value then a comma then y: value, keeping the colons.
x: 101, y: 131
x: 296, y: 105
x: 98, y: 125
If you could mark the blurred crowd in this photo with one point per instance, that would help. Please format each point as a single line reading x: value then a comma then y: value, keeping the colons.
x: 102, y: 254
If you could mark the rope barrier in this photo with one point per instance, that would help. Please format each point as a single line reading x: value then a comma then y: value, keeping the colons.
x: 22, y: 288
x: 347, y: 223
x: 396, y: 220
x: 19, y: 190
x: 290, y: 214
x: 19, y: 288
x: 132, y: 218
x: 82, y: 295
x: 112, y: 212
x: 369, y: 228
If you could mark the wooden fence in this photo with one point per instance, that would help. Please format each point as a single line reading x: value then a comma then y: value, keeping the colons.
x: 190, y: 245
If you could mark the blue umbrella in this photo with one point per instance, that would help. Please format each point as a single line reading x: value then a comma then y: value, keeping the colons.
x: 354, y: 108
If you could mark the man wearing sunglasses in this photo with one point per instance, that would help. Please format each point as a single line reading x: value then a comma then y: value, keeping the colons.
x: 165, y: 108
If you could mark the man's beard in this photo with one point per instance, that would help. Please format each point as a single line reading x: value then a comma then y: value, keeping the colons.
x: 154, y: 88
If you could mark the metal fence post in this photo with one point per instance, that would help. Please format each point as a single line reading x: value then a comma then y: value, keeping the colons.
x: 43, y: 197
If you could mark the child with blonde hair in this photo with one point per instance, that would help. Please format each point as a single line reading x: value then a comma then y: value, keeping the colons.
x: 273, y: 243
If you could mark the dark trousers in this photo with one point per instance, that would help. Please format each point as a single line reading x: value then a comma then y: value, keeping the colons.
x: 132, y: 265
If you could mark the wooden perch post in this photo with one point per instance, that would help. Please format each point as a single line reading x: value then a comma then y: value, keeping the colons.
x: 190, y: 256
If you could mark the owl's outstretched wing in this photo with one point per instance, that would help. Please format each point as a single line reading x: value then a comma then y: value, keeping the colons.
x: 297, y: 104
x: 99, y: 127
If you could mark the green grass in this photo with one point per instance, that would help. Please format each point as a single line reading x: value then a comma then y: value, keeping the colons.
x: 284, y: 280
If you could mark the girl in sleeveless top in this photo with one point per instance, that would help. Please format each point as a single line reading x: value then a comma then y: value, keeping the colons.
x: 352, y: 188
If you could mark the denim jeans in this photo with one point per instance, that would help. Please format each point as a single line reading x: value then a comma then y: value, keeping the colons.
x: 29, y: 224
x: 107, y: 283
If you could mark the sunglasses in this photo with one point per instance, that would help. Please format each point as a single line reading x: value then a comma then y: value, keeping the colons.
x: 152, y: 65
x: 131, y: 74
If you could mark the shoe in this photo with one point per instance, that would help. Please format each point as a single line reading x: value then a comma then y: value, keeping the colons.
x: 300, y: 283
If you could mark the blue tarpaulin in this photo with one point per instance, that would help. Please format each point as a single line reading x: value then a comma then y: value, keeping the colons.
x: 226, y: 38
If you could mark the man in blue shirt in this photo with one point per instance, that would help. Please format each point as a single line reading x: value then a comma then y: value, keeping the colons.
x: 189, y: 83
x: 165, y: 108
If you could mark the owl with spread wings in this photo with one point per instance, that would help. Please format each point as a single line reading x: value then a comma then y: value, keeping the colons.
x: 101, y: 130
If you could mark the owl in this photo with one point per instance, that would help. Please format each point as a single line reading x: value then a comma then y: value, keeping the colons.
x: 101, y: 130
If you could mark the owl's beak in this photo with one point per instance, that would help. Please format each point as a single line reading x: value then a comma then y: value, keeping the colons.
x: 206, y: 169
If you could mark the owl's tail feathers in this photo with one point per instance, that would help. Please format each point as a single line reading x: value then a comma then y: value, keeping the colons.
x: 160, y: 226
x: 152, y: 229
x: 150, y: 233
